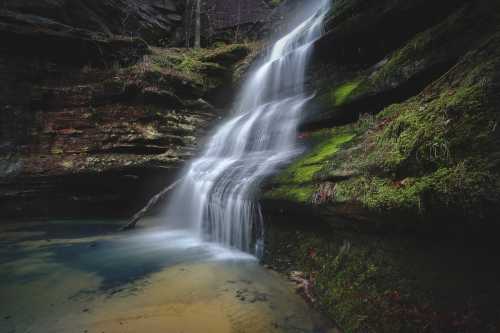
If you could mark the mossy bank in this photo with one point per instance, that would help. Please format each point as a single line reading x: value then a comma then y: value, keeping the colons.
x: 391, y: 209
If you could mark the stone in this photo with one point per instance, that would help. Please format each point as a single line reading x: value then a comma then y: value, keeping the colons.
x: 135, y: 18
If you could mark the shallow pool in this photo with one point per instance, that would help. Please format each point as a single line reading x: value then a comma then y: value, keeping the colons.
x: 84, y: 276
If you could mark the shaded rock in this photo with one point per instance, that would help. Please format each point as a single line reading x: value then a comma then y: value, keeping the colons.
x: 151, y: 20
x: 95, y: 140
x: 24, y: 34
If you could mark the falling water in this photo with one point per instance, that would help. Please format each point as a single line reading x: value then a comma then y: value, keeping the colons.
x: 216, y: 195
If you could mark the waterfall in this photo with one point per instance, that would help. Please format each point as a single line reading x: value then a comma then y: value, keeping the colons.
x: 216, y: 196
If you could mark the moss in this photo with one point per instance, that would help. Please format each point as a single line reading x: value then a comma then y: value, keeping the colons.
x: 432, y: 155
x: 374, y: 283
x: 329, y: 147
x: 427, y: 166
x: 56, y: 151
x: 422, y: 59
x: 226, y: 55
x: 423, y: 135
x: 185, y: 62
x: 298, y: 194
x: 295, y: 182
x: 205, y: 68
x: 441, y: 44
x: 416, y: 135
x: 328, y: 143
x: 275, y: 3
x: 435, y: 152
x: 341, y: 94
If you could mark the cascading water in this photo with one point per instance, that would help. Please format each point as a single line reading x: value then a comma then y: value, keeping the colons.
x: 216, y: 195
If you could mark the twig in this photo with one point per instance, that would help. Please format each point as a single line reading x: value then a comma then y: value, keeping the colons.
x: 152, y: 203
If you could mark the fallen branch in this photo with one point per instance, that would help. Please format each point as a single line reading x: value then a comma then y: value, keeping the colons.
x: 304, y: 285
x: 151, y: 204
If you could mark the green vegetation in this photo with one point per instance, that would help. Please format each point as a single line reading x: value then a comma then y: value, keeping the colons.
x: 434, y: 155
x: 423, y: 151
x: 298, y: 177
x: 438, y: 45
x: 341, y: 94
x: 201, y: 69
x: 275, y: 3
x: 370, y: 283
x: 300, y: 193
x: 414, y: 184
x: 437, y: 152
x: 227, y: 55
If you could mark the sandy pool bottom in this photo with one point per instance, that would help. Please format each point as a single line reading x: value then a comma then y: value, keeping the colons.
x: 83, y: 276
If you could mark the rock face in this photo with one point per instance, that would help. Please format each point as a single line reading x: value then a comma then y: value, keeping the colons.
x: 397, y: 198
x: 425, y: 78
x: 230, y: 21
x: 94, y: 122
x: 151, y: 20
x: 50, y: 41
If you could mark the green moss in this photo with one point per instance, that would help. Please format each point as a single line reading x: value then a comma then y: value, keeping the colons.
x: 340, y: 95
x: 422, y: 135
x: 429, y: 164
x: 299, y: 194
x: 226, y: 55
x: 377, y: 283
x: 329, y: 148
x: 189, y: 64
x: 203, y: 67
x: 303, y: 170
x: 299, y: 173
x: 335, y: 97
x: 437, y: 149
x: 294, y: 183
x: 436, y: 153
x: 430, y: 53
x: 464, y: 187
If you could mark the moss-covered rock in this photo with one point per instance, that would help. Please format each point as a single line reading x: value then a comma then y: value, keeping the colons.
x: 296, y: 182
x: 434, y: 154
x: 102, y: 140
x: 188, y: 73
x: 389, y: 212
x: 388, y: 283
x: 437, y: 151
x: 347, y: 90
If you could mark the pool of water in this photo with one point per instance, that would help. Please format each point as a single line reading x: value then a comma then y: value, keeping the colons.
x: 84, y: 276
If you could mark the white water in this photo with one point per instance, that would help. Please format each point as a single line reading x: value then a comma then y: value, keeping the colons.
x: 215, y: 199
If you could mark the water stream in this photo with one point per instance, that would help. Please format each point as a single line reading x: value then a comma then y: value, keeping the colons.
x: 216, y: 197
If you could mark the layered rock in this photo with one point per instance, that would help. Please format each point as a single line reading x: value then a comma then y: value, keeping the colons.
x: 94, y: 123
x: 154, y: 21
